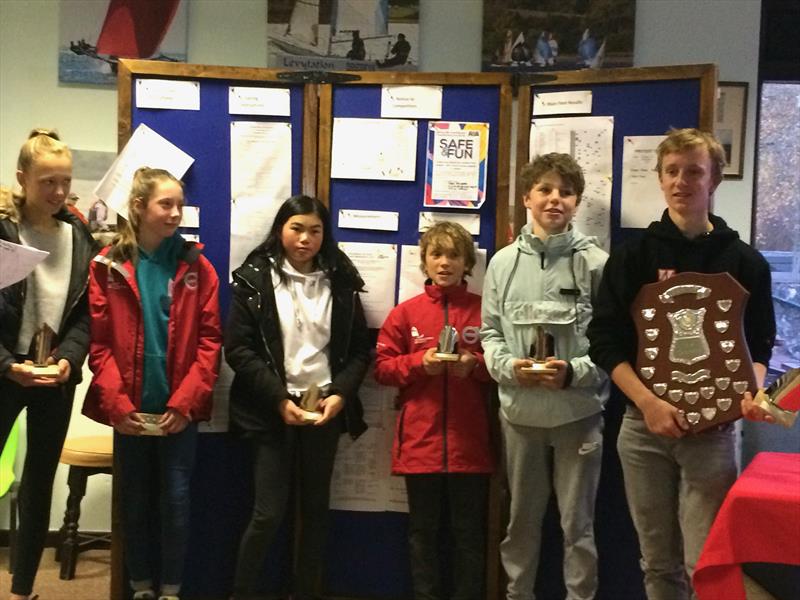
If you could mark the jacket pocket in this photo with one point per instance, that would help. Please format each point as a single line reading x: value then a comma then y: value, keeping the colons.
x: 542, y: 312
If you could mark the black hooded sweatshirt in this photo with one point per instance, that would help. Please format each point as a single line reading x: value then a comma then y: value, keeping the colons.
x: 612, y: 335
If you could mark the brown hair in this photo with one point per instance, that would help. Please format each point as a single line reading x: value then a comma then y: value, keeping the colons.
x: 124, y: 246
x: 557, y: 162
x: 678, y: 140
x: 445, y: 236
x: 39, y: 142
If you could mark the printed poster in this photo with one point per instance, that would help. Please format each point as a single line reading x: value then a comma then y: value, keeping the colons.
x: 456, y: 164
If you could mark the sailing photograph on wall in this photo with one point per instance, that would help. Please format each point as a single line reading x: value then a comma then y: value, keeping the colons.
x: 95, y: 34
x: 353, y: 35
x: 557, y: 35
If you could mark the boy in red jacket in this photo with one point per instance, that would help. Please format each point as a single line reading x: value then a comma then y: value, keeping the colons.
x: 441, y: 443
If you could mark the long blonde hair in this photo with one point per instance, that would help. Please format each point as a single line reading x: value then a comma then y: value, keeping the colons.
x: 39, y: 142
x: 125, y: 244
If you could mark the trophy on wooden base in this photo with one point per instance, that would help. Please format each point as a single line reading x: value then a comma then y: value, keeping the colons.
x: 446, y: 350
x: 782, y: 399
x: 42, y: 347
x: 309, y: 403
x: 541, y: 350
x: 151, y: 424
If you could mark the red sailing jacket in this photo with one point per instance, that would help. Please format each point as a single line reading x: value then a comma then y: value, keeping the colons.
x: 116, y: 352
x: 443, y: 426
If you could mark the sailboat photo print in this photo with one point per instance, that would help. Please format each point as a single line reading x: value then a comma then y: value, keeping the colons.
x: 95, y: 34
x: 356, y: 35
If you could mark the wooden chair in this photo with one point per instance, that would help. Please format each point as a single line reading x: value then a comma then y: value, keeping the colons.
x: 86, y: 456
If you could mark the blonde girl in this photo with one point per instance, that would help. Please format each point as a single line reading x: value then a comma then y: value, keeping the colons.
x: 53, y: 294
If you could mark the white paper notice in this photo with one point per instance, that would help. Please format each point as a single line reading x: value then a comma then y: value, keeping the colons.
x: 642, y: 200
x: 261, y: 179
x: 377, y: 265
x: 168, y: 93
x: 589, y: 141
x: 191, y: 216
x: 146, y: 148
x: 472, y: 223
x: 411, y: 101
x: 381, y: 220
x: 374, y: 149
x: 362, y: 477
x: 258, y: 101
x: 562, y: 103
x: 412, y: 279
x: 17, y: 261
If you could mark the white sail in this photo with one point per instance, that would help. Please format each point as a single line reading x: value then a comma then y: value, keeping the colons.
x: 304, y: 22
x: 369, y: 17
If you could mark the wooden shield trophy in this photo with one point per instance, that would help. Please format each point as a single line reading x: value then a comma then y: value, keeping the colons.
x: 692, y: 350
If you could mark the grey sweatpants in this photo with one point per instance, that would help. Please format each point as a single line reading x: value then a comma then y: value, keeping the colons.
x: 577, y: 455
x: 674, y: 489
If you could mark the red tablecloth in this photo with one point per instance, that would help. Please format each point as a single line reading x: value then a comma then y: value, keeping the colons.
x: 759, y: 521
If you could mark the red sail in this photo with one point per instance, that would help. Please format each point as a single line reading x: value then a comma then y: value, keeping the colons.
x: 135, y: 28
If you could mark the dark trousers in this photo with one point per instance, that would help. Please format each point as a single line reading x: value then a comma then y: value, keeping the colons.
x: 462, y: 498
x: 308, y: 451
x: 49, y: 410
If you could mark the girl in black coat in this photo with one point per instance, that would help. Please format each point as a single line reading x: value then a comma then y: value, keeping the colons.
x: 296, y: 326
x: 54, y: 294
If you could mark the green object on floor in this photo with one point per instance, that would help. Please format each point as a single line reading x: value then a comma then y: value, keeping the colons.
x: 7, y: 460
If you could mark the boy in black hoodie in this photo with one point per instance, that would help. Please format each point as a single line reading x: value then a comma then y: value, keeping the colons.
x: 675, y: 482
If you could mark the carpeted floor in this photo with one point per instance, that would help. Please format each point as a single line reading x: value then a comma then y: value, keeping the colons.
x: 92, y: 577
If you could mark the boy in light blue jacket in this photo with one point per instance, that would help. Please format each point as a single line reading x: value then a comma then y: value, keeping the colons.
x: 547, y: 278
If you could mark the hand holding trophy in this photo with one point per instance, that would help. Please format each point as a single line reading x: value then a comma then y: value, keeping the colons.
x: 781, y: 400
x: 42, y: 348
x: 447, y: 350
x: 541, y: 350
x: 309, y: 404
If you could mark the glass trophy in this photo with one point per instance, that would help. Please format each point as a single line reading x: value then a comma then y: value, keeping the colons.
x: 541, y: 349
x: 446, y: 350
x: 782, y: 399
x: 309, y: 403
x: 42, y: 348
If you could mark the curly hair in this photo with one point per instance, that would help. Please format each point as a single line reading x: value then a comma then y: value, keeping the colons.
x: 557, y: 162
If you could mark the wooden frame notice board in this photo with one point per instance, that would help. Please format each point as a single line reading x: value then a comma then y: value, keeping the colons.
x: 367, y: 550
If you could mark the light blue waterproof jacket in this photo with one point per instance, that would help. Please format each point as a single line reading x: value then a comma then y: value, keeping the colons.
x: 549, y: 283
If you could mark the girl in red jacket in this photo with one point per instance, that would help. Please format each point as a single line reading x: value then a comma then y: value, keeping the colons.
x: 441, y: 444
x: 155, y: 342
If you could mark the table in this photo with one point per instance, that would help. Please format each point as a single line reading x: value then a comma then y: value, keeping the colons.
x: 759, y: 521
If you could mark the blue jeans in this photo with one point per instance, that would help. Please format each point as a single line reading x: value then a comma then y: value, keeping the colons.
x: 156, y: 468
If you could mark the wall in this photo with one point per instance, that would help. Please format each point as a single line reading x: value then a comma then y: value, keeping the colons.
x: 667, y: 32
x: 725, y: 32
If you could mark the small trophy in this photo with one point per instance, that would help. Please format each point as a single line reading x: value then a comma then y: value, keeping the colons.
x: 309, y: 403
x: 541, y: 349
x: 446, y: 350
x: 782, y: 399
x: 150, y: 424
x: 42, y: 347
